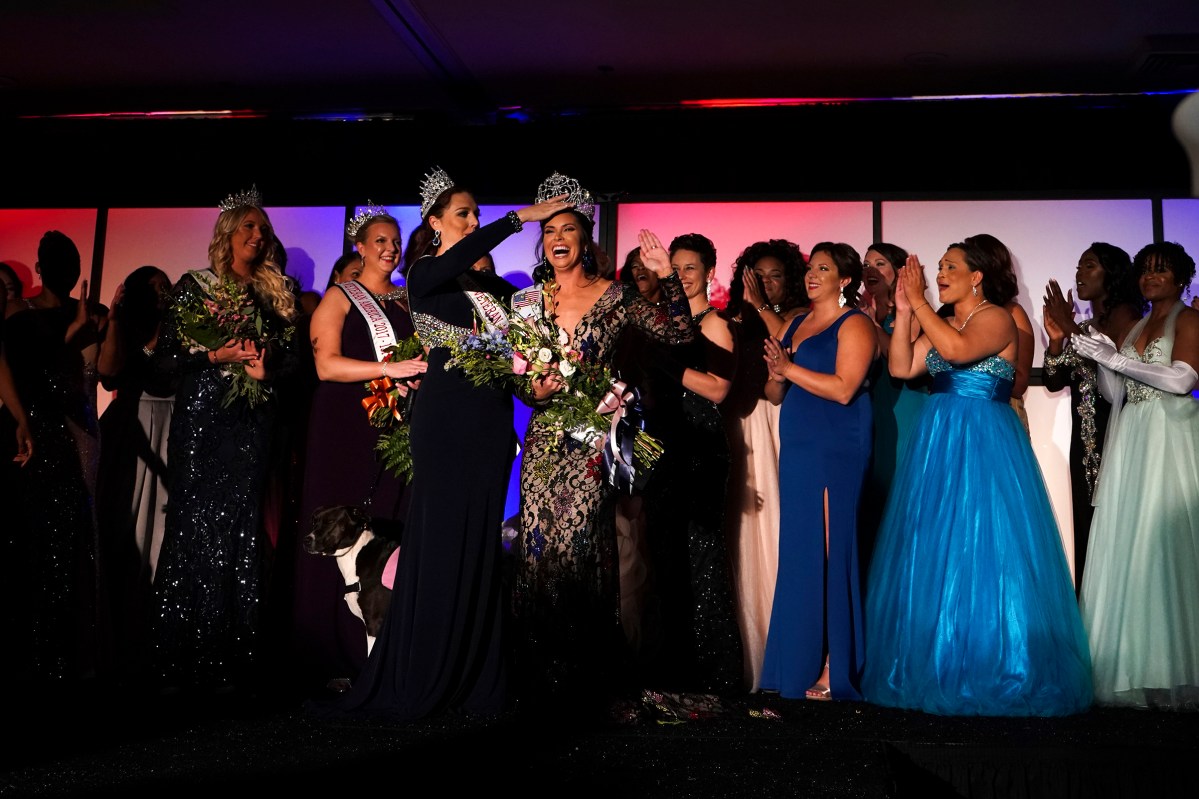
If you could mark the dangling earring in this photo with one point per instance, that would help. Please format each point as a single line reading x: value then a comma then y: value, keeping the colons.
x: 437, y: 238
x: 841, y: 299
x: 974, y: 290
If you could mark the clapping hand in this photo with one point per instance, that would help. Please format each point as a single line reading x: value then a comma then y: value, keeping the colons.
x: 910, y: 286
x: 1058, y: 312
x: 1100, y: 349
x: 754, y: 295
x: 778, y: 358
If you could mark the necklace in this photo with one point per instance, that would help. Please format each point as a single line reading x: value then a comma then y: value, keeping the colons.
x: 973, y: 311
x: 398, y: 293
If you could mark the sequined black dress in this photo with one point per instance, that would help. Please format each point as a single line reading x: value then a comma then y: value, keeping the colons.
x: 205, y: 608
x: 50, y: 537
x: 698, y: 642
x: 441, y: 644
x: 566, y: 596
x: 1089, y: 413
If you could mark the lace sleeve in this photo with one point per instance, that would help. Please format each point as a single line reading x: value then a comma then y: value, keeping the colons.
x: 669, y: 322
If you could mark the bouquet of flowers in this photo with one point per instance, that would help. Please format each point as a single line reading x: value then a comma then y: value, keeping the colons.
x: 533, y: 346
x: 387, y: 409
x: 224, y: 310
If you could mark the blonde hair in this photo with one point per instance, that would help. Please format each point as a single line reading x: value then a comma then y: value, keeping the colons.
x: 266, y: 276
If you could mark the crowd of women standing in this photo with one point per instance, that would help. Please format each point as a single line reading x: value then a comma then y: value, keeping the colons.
x: 847, y: 508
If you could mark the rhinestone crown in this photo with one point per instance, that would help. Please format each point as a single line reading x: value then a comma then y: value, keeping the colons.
x: 432, y: 187
x: 368, y: 213
x: 242, y: 198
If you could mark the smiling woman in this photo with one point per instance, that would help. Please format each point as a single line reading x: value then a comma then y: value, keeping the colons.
x: 566, y: 592
x: 969, y: 605
x: 207, y: 585
x: 356, y: 321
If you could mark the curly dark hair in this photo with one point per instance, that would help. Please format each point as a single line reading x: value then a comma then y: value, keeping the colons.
x: 849, y: 264
x: 785, y: 252
x: 1120, y: 284
x: 991, y: 256
x: 1169, y: 254
x: 595, y: 260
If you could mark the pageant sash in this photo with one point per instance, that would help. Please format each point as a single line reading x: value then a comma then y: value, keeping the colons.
x: 494, y: 317
x: 383, y: 335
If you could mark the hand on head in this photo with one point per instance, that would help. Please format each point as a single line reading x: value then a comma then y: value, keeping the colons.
x: 545, y: 209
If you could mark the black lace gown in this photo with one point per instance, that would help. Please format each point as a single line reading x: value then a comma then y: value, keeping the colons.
x: 570, y: 645
x: 207, y: 589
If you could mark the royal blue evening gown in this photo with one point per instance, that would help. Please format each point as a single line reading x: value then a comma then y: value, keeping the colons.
x: 970, y: 609
x: 817, y: 603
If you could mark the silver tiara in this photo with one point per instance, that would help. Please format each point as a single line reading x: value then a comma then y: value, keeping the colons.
x: 368, y: 213
x: 432, y: 187
x: 578, y: 196
x: 241, y: 199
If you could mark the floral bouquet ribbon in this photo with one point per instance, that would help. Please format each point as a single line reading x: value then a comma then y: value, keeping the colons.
x: 623, y: 402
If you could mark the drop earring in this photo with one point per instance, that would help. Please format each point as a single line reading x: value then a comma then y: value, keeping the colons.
x: 437, y: 238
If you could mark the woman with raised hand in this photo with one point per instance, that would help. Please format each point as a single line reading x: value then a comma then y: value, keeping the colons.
x: 766, y: 291
x: 441, y: 647
x: 1141, y: 588
x: 1106, y: 280
x: 969, y: 605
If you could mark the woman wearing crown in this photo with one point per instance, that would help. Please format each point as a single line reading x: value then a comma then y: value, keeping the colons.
x: 208, y: 581
x: 441, y: 648
x: 350, y: 332
x: 566, y: 597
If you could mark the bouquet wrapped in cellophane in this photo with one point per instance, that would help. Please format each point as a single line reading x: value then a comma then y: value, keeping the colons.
x: 594, y: 407
x: 391, y: 410
x: 221, y: 311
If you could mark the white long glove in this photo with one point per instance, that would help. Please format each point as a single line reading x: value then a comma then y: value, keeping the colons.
x: 1177, y: 378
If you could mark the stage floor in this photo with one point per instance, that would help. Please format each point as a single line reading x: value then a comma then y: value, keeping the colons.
x: 111, y: 743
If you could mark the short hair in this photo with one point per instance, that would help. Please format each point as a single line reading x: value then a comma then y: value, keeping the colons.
x: 697, y: 243
x: 58, y: 262
x: 1169, y: 254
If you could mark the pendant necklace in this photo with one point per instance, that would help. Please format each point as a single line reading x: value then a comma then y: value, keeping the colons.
x: 973, y: 311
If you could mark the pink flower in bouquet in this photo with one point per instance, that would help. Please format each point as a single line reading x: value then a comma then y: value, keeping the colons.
x: 519, y: 364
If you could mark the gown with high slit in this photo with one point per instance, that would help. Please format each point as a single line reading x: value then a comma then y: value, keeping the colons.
x: 817, y: 610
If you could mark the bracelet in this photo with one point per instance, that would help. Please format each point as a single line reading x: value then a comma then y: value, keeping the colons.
x: 149, y: 353
x: 514, y: 218
x: 385, y: 369
x: 916, y: 310
x: 763, y: 307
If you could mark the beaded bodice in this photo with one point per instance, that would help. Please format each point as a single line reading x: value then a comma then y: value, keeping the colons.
x: 1160, y: 350
x: 992, y: 365
x: 1136, y: 391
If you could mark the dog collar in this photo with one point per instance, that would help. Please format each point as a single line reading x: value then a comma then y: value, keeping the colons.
x: 353, y: 588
